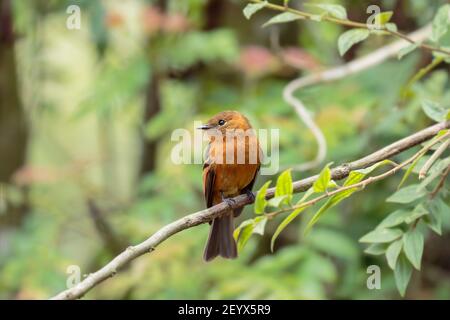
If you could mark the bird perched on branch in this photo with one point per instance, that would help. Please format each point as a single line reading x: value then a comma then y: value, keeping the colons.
x: 232, y: 163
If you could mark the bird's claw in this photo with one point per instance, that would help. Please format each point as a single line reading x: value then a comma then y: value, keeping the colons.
x: 229, y: 201
x: 250, y: 195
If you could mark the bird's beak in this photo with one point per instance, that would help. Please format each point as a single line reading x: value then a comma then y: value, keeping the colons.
x: 205, y: 127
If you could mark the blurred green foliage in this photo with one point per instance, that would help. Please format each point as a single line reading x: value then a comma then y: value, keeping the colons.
x: 84, y: 91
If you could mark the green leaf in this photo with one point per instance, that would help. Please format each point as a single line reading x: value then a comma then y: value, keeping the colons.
x: 391, y: 27
x: 440, y: 23
x: 243, y: 233
x: 383, y: 17
x: 434, y: 111
x: 409, y: 170
x: 284, y: 185
x: 351, y: 37
x: 381, y: 236
x: 408, y: 49
x: 306, y: 195
x: 392, y: 253
x: 282, y: 18
x: 419, y: 211
x: 284, y: 224
x: 260, y: 199
x: 434, y: 219
x: 368, y: 170
x: 276, y: 202
x: 243, y: 224
x: 413, y: 247
x: 335, y: 10
x: 322, y: 182
x: 402, y: 273
x: 394, y: 219
x: 252, y: 8
x: 353, y: 178
x: 259, y: 225
x: 407, y: 194
x: 317, y: 17
x: 376, y: 249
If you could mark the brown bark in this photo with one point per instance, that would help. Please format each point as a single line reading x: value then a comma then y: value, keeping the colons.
x: 152, y: 108
x: 13, y: 123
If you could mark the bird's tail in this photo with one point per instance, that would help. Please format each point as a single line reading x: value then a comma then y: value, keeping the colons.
x: 220, y: 240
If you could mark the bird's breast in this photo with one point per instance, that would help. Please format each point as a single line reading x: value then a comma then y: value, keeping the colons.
x: 232, y: 178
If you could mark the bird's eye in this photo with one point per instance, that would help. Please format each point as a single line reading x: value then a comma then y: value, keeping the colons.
x: 221, y: 122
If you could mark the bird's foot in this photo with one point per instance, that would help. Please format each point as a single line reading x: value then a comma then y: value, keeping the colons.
x: 229, y: 201
x: 251, y: 196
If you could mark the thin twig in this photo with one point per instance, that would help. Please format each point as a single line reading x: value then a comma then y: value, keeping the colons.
x: 439, y: 151
x: 203, y: 216
x: 349, y: 23
x: 440, y: 183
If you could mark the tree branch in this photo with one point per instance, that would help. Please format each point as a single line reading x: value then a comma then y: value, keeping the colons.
x: 349, y: 23
x: 206, y: 215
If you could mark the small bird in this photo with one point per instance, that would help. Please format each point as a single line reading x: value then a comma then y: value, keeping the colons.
x: 233, y: 158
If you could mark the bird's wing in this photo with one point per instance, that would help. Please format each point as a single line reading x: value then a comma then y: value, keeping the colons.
x: 249, y: 187
x: 209, y: 177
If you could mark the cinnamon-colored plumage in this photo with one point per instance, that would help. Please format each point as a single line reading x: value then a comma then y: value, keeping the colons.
x: 231, y: 167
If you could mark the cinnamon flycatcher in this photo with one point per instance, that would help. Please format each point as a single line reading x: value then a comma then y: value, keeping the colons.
x: 230, y: 169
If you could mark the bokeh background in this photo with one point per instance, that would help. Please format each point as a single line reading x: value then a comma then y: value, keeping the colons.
x: 85, y: 123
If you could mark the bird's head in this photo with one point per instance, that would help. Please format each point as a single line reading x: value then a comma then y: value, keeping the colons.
x: 227, y: 121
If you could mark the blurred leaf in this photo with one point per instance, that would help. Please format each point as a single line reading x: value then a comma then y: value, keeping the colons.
x: 408, y: 49
x: 335, y: 10
x: 248, y: 227
x: 322, y: 182
x: 413, y: 247
x: 394, y: 219
x: 260, y: 225
x: 206, y: 47
x: 407, y: 194
x: 419, y: 211
x: 376, y: 249
x: 251, y: 8
x: 391, y: 27
x: 392, y: 253
x: 334, y: 243
x: 284, y: 224
x: 244, y: 234
x: 375, y: 166
x: 434, y: 219
x: 260, y: 199
x: 282, y: 18
x: 440, y: 23
x: 409, y: 170
x: 306, y: 195
x: 351, y: 37
x: 277, y: 201
x: 402, y: 273
x: 435, y: 171
x: 383, y: 17
x: 381, y: 236
x: 434, y: 111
